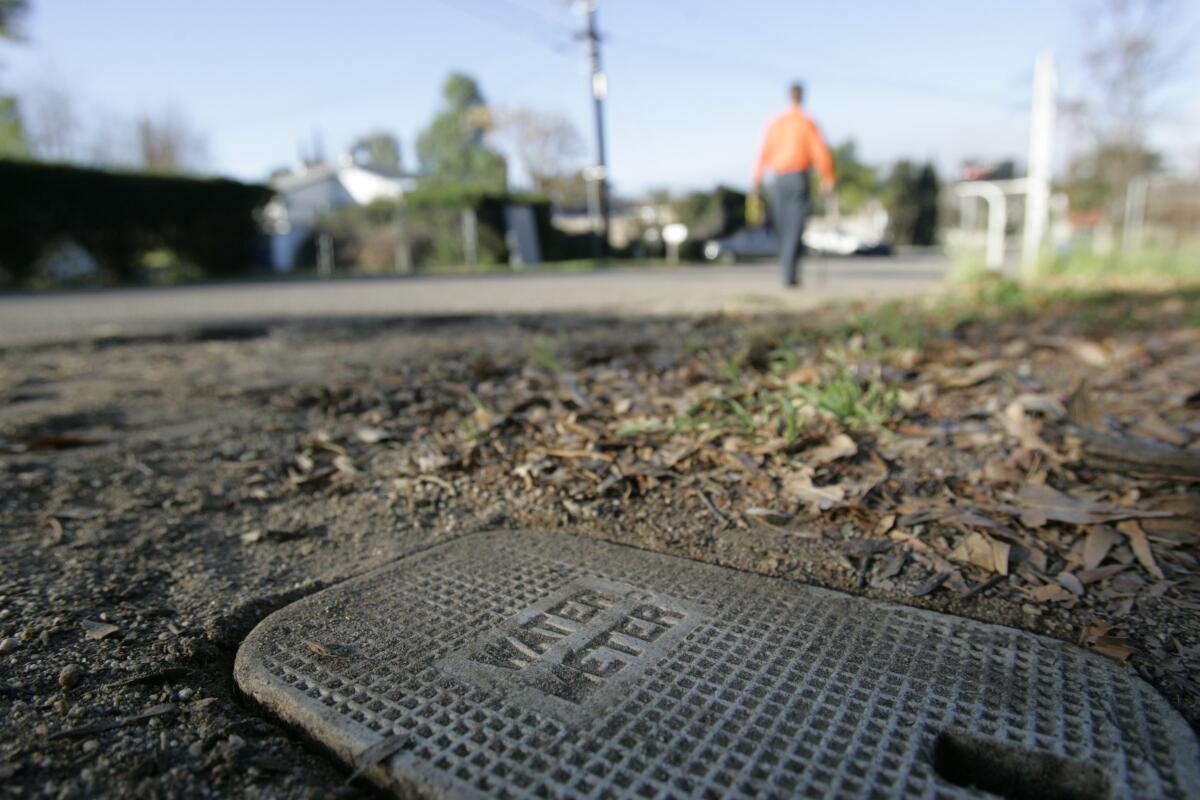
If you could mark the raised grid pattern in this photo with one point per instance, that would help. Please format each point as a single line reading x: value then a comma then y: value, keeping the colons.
x: 781, y: 690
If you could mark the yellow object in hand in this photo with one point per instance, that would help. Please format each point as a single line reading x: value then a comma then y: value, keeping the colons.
x: 755, y: 209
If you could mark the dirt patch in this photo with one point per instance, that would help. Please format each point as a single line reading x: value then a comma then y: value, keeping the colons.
x: 197, y: 483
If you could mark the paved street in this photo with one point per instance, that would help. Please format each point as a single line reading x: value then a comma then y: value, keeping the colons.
x: 56, y: 316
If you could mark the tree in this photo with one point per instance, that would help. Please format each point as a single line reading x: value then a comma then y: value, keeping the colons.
x: 911, y: 197
x: 452, y: 149
x: 11, y: 12
x: 1097, y: 177
x: 52, y: 126
x: 925, y: 197
x: 1133, y: 54
x: 548, y: 145
x: 856, y: 182
x: 168, y: 143
x: 380, y: 150
x: 12, y: 138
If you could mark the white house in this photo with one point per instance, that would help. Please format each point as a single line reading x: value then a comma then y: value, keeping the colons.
x: 302, y: 196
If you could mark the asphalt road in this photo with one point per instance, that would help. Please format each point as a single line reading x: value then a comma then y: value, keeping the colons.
x: 54, y: 316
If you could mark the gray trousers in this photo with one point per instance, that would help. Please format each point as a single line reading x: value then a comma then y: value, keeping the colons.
x: 790, y: 204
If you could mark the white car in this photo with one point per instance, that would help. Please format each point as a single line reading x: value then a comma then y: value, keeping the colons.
x: 755, y: 243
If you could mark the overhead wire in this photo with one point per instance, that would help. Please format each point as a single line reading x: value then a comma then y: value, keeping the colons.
x: 508, y: 24
x: 770, y: 37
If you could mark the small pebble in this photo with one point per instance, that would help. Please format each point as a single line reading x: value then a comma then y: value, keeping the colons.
x: 186, y: 694
x: 90, y: 745
x: 235, y: 740
x: 70, y: 676
x: 9, y: 644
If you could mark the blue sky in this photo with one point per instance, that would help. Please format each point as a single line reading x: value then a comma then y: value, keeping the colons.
x: 692, y: 82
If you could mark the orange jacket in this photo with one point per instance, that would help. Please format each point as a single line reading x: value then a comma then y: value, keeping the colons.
x: 793, y: 144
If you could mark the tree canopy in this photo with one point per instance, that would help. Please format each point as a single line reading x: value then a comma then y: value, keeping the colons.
x: 857, y: 182
x: 12, y: 137
x: 549, y: 148
x: 379, y: 149
x: 452, y: 149
x: 10, y: 13
x: 911, y: 197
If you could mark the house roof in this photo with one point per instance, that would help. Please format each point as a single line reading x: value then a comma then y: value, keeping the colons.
x: 307, y: 176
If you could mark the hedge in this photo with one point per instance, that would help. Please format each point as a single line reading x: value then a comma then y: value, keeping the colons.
x: 433, y: 214
x: 118, y: 217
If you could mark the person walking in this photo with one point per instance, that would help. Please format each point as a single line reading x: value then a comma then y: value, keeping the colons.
x: 791, y: 147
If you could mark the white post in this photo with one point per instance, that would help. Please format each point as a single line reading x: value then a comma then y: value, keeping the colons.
x: 1135, y: 213
x: 997, y: 222
x: 1041, y: 157
x: 403, y: 254
x: 470, y: 236
x: 997, y: 219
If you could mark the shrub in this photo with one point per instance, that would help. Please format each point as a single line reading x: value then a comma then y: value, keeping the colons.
x: 210, y: 224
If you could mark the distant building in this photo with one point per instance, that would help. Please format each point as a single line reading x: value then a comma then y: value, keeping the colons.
x: 304, y: 195
x: 976, y: 170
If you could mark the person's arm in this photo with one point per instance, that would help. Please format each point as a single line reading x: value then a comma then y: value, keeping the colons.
x: 764, y: 154
x: 823, y: 159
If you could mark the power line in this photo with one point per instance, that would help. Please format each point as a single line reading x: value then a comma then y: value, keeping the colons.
x: 873, y: 80
x: 508, y: 24
x: 530, y: 14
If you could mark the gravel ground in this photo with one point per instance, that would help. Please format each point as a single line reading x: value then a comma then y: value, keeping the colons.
x: 160, y: 496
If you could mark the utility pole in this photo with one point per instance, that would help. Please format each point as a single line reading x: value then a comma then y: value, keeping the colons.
x: 598, y: 177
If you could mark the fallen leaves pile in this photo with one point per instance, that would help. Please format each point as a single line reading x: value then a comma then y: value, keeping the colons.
x: 1002, y: 458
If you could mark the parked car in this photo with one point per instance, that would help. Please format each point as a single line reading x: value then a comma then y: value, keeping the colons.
x: 754, y: 243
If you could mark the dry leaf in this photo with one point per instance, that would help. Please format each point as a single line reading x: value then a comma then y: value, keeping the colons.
x: 929, y: 586
x: 996, y: 471
x: 840, y: 446
x: 1045, y: 404
x: 318, y: 649
x: 344, y: 465
x: 1152, y: 426
x: 1019, y: 426
x: 1050, y: 592
x: 769, y: 516
x: 1088, y: 576
x: 799, y: 486
x: 1182, y: 528
x: 1069, y: 582
x: 98, y: 630
x: 1099, y: 541
x: 1089, y: 353
x: 1096, y: 637
x: 984, y: 552
x: 1082, y: 408
x: 369, y: 435
x: 1113, y: 647
x: 1040, y: 503
x: 1140, y: 546
x: 971, y: 376
x: 432, y: 461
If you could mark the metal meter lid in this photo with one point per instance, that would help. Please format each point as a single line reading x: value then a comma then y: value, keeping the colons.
x: 539, y: 664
